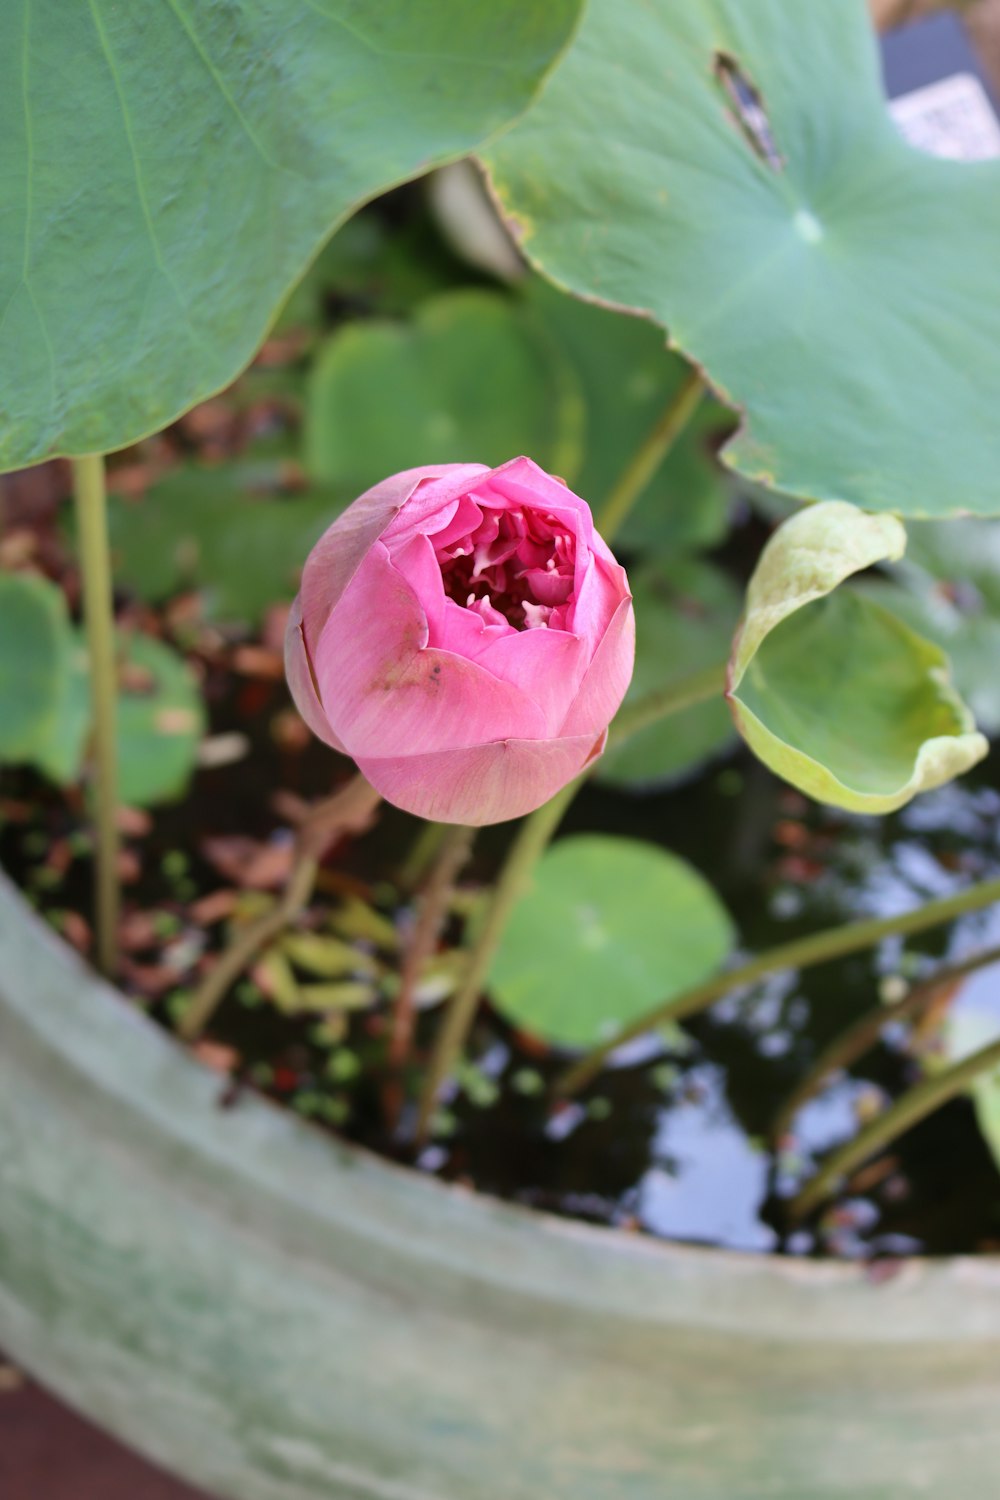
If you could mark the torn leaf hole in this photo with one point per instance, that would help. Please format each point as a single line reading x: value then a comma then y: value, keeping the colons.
x: 748, y: 108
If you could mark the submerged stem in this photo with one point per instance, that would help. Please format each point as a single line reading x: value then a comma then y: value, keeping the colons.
x: 849, y: 1045
x: 531, y: 840
x: 908, y: 1111
x: 537, y: 830
x: 673, y: 698
x: 650, y: 454
x: 817, y: 948
x: 99, y: 625
x: 453, y: 851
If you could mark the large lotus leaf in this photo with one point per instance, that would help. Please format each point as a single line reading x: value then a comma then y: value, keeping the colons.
x: 473, y: 378
x: 169, y: 170
x: 729, y: 168
x: 833, y: 692
x: 35, y: 662
x: 685, y: 616
x: 609, y: 926
x: 628, y: 379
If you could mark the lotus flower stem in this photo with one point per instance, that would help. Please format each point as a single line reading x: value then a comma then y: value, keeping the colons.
x: 453, y: 851
x: 348, y: 811
x: 802, y: 953
x: 99, y: 625
x: 531, y: 840
x: 422, y: 855
x: 673, y: 698
x: 650, y: 454
x: 855, y: 1041
x: 914, y: 1106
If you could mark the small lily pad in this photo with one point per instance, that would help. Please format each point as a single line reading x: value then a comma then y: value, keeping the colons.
x: 35, y: 663
x: 609, y: 927
x: 472, y: 378
x: 161, y: 720
x: 213, y: 530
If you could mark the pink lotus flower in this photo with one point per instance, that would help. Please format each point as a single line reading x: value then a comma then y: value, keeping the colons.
x: 466, y: 636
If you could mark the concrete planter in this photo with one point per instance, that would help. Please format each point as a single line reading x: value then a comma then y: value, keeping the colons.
x: 277, y: 1318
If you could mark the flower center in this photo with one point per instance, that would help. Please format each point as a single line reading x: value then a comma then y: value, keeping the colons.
x: 517, y: 566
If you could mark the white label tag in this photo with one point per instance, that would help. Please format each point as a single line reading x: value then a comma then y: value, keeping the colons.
x: 952, y: 118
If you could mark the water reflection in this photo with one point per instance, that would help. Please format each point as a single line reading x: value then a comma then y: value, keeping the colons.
x: 673, y: 1141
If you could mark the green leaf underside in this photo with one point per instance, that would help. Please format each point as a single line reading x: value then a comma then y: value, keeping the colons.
x: 685, y: 618
x: 473, y: 378
x: 848, y: 686
x: 833, y: 692
x: 610, y: 926
x: 170, y: 170
x: 35, y: 650
x: 948, y: 588
x: 843, y: 297
x: 207, y: 529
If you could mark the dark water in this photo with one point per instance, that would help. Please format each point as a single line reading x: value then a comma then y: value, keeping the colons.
x: 672, y: 1138
x: 674, y: 1141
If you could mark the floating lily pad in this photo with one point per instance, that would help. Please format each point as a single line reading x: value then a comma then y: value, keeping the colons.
x: 729, y: 168
x: 834, y: 693
x: 472, y: 378
x: 209, y: 529
x: 609, y: 926
x: 35, y: 654
x: 161, y: 720
x: 160, y: 208
x: 685, y: 618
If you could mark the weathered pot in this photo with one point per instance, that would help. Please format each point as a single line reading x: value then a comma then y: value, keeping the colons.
x: 279, y: 1318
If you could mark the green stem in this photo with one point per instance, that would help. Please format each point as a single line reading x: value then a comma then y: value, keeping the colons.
x: 531, y: 840
x: 908, y: 1111
x: 537, y: 830
x: 99, y: 624
x: 650, y: 454
x: 673, y: 698
x: 802, y: 953
x: 453, y: 852
x: 421, y: 855
x: 849, y: 1045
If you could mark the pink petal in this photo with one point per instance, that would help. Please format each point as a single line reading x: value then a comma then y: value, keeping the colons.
x: 386, y: 692
x: 547, y: 665
x: 467, y: 632
x: 437, y: 499
x: 483, y: 784
x: 338, y: 554
x: 600, y: 593
x: 298, y: 670
x: 608, y: 676
x: 415, y: 560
